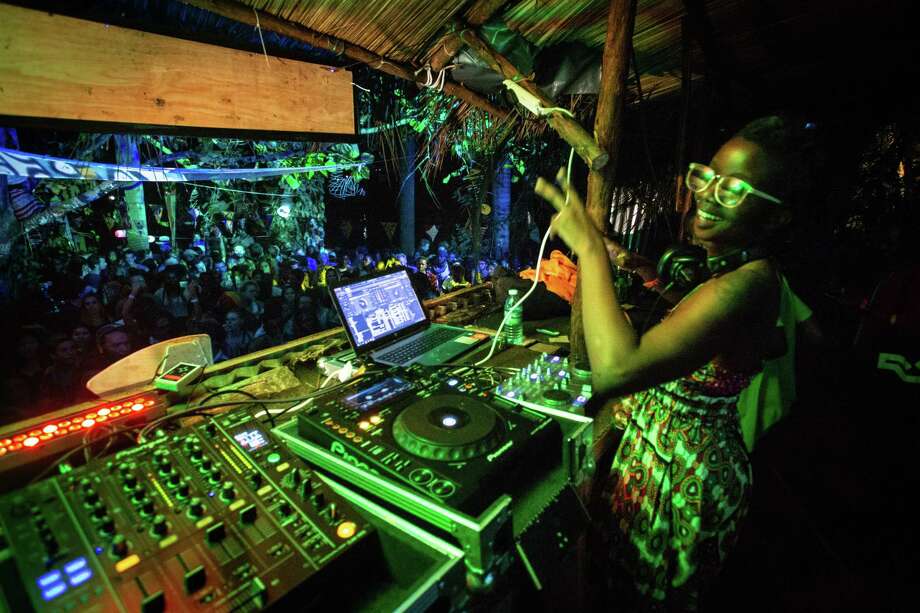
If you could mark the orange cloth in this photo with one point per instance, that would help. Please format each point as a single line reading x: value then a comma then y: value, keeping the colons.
x: 559, y: 273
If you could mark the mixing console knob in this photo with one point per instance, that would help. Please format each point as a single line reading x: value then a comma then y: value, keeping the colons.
x: 159, y: 525
x: 183, y: 489
x: 173, y: 479
x: 86, y: 485
x: 319, y: 500
x: 256, y: 480
x: 206, y: 464
x: 92, y: 497
x: 107, y: 525
x: 196, y: 453
x: 286, y: 509
x: 139, y: 492
x: 146, y: 506
x: 214, y: 476
x: 211, y: 429
x: 306, y: 488
x: 195, y: 507
x: 130, y: 481
x: 119, y: 546
x: 227, y: 491
x: 248, y: 515
x: 99, y: 511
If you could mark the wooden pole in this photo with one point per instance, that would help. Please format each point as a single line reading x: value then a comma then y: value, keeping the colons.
x: 270, y: 23
x: 569, y: 129
x: 611, y: 99
x: 450, y: 44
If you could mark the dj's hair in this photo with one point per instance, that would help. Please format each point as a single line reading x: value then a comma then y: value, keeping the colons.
x: 787, y: 144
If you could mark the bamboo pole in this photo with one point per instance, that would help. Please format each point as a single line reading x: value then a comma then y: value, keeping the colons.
x: 270, y: 23
x: 611, y: 99
x: 569, y: 129
x: 450, y: 43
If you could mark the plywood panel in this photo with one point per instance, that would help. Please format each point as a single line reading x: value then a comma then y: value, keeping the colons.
x: 61, y: 68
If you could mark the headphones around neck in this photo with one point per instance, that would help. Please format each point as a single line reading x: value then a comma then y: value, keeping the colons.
x: 684, y: 267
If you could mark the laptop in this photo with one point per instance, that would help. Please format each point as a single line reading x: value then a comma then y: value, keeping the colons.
x: 384, y: 320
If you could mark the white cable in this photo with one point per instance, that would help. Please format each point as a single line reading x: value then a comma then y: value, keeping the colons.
x: 536, y: 274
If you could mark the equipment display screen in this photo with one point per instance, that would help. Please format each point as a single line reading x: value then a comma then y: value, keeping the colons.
x: 378, y: 307
x: 250, y: 440
x: 370, y: 397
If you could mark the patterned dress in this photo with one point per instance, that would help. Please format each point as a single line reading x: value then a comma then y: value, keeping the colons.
x: 682, y: 485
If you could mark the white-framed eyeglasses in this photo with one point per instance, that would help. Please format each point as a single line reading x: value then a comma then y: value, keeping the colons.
x: 729, y: 191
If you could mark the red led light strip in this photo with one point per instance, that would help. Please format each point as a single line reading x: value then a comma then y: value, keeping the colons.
x: 34, y: 438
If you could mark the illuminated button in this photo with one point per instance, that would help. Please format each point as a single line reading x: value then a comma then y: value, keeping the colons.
x: 137, y: 407
x: 15, y: 446
x: 19, y: 438
x: 349, y: 434
x: 273, y: 458
x: 75, y: 565
x: 364, y: 425
x: 452, y: 382
x: 91, y: 416
x: 73, y: 428
x: 45, y: 437
x: 346, y: 529
x: 127, y: 403
x: 49, y: 429
x: 104, y: 412
x: 149, y: 403
x: 54, y: 591
x: 32, y: 441
x: 80, y: 577
x: 49, y: 578
x: 129, y: 562
x: 88, y: 423
x: 101, y: 418
x: 282, y: 467
x: 375, y: 419
x: 2, y: 450
x: 6, y: 441
x: 343, y: 430
x: 35, y: 432
x: 358, y: 439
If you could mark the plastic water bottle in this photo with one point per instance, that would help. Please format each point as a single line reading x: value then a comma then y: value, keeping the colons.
x: 513, y: 331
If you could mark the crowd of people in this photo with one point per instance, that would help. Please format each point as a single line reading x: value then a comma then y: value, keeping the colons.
x: 75, y: 314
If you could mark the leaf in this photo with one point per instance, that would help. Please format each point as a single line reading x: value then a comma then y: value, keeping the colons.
x: 292, y: 181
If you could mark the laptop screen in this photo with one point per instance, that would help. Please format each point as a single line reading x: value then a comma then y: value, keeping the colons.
x: 376, y: 308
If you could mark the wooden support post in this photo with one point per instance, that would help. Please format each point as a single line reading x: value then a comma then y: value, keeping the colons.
x: 610, y: 103
x: 407, y: 197
x: 270, y: 23
x: 450, y: 44
x: 569, y: 129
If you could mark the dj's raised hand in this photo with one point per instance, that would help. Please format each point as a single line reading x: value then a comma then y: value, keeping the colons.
x: 571, y: 223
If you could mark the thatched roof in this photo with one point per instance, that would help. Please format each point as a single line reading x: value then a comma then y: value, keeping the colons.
x: 773, y: 48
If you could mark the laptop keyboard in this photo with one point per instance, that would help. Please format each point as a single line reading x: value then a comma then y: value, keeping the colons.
x: 417, y: 347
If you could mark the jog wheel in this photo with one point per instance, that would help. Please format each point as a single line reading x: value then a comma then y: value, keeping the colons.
x: 554, y: 398
x: 581, y: 372
x: 448, y: 427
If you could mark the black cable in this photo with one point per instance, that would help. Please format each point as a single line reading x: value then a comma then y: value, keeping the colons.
x: 240, y: 392
x: 50, y: 467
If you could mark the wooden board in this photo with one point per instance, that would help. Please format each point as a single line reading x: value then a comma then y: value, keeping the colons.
x: 60, y: 68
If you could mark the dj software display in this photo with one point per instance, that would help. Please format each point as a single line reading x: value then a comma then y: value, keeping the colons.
x: 403, y: 489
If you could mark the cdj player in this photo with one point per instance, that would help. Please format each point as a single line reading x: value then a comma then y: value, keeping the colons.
x: 439, y: 446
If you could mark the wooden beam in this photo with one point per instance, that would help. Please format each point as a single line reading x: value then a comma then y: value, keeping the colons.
x: 450, y: 43
x: 270, y: 23
x: 621, y: 20
x: 569, y: 129
x: 60, y: 68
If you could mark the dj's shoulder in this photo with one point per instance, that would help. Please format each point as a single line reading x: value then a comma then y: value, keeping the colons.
x: 750, y: 283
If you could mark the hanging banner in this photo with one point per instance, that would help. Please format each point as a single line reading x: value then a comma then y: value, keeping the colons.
x: 22, y: 164
x: 77, y: 202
